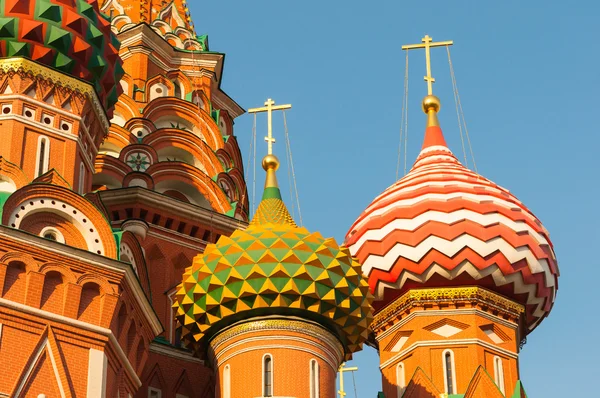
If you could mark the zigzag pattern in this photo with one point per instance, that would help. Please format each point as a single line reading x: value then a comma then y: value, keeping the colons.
x: 444, y: 225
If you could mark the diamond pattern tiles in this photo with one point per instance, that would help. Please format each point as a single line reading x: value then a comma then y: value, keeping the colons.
x: 274, y: 269
x: 69, y: 35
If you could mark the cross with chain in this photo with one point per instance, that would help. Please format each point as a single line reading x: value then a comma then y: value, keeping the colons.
x: 427, y: 45
x: 341, y: 371
x: 269, y: 108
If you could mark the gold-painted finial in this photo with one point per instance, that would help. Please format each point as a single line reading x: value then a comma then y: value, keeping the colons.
x: 427, y: 45
x: 431, y: 103
x: 269, y: 108
x: 270, y: 162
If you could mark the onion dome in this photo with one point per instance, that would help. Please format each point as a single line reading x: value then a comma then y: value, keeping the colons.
x: 274, y: 268
x: 443, y: 225
x: 71, y: 36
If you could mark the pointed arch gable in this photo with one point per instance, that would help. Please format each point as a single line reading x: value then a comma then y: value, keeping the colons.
x: 188, y: 141
x: 40, y: 198
x: 190, y: 175
x: 161, y: 107
x: 12, y: 173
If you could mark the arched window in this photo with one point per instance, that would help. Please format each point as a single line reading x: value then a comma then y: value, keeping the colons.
x: 499, y: 374
x: 449, y: 372
x: 227, y: 382
x: 81, y: 178
x: 314, y: 379
x: 178, y: 91
x: 43, y: 156
x: 267, y: 376
x: 400, y: 379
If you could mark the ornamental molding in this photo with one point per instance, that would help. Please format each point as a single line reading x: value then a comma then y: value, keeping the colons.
x: 22, y: 65
x: 272, y: 325
x: 429, y: 296
x: 445, y: 344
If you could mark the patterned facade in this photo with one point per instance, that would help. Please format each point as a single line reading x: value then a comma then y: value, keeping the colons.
x: 129, y: 266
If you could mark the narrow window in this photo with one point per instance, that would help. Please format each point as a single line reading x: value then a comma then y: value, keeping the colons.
x: 314, y: 378
x: 227, y: 382
x: 267, y: 376
x: 449, y: 372
x: 499, y: 373
x: 178, y: 92
x: 43, y: 156
x: 400, y: 379
x: 81, y: 178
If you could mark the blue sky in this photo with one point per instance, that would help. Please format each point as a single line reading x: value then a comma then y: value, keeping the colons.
x: 525, y: 71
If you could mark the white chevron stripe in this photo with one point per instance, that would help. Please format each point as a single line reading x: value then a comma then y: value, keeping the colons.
x: 399, y: 190
x: 520, y: 287
x: 446, y: 218
x: 437, y: 159
x: 450, y: 248
x: 435, y: 148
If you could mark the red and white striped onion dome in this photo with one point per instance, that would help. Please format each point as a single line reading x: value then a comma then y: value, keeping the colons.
x: 443, y: 225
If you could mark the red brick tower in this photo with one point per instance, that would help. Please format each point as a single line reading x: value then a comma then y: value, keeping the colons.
x: 74, y: 320
x: 102, y: 210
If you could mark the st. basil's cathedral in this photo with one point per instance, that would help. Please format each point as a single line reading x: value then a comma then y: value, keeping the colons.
x: 130, y: 265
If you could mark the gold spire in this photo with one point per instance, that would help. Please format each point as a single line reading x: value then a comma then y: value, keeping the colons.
x: 431, y: 103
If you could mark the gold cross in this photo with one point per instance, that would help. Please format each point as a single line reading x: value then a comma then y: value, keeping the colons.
x: 341, y: 370
x: 427, y: 45
x: 269, y: 108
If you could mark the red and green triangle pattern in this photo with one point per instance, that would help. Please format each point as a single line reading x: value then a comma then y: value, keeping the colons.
x: 71, y: 36
x: 274, y: 268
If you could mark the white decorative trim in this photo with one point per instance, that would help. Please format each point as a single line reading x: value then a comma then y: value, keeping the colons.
x: 314, y: 382
x: 46, y: 155
x: 453, y: 373
x: 36, y: 356
x: 434, y: 343
x: 499, y: 373
x: 400, y: 379
x: 227, y: 381
x: 97, y: 372
x: 331, y: 358
x: 175, y: 353
x: 445, y: 313
x: 156, y: 390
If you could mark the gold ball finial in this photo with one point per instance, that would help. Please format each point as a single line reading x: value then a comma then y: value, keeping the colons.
x: 270, y: 162
x: 431, y: 102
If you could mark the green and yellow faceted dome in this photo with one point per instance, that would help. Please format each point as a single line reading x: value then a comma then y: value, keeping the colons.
x: 272, y: 268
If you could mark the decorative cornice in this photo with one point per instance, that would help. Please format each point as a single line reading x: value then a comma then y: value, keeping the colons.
x: 455, y: 294
x: 21, y: 64
x: 289, y: 325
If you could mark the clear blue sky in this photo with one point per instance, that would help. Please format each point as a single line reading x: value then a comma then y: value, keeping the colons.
x: 526, y: 71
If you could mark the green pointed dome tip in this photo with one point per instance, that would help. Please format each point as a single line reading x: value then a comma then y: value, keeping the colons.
x: 271, y: 209
x: 274, y: 267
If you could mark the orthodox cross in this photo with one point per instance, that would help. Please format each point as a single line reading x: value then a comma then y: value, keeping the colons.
x: 341, y: 371
x: 427, y: 44
x: 269, y: 108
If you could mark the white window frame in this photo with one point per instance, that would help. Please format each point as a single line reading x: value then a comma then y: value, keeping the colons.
x: 314, y: 381
x: 46, y: 155
x: 400, y: 379
x: 499, y: 373
x: 227, y: 381
x: 59, y: 237
x: 263, y: 376
x: 152, y: 389
x: 446, y: 371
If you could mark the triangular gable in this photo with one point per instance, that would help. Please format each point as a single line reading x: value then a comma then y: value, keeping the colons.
x: 482, y: 385
x: 420, y: 386
x: 52, y: 177
x: 43, y: 369
x: 519, y: 391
